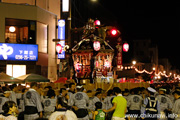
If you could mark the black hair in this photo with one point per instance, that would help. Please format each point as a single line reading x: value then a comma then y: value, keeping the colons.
x: 33, y: 84
x: 97, y: 93
x: 5, y: 89
x: 70, y: 85
x: 117, y: 90
x: 110, y: 92
x: 51, y: 93
x: 136, y: 91
x: 61, y: 90
x: 98, y: 105
x: 23, y: 90
x: 49, y: 87
x: 12, y: 86
x: 99, y: 90
x: 7, y: 105
x: 89, y: 91
x: 61, y: 102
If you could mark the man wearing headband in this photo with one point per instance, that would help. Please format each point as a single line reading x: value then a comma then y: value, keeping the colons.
x: 165, y: 103
x: 79, y: 102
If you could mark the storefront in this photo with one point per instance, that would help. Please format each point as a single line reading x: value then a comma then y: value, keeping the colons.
x: 27, y: 32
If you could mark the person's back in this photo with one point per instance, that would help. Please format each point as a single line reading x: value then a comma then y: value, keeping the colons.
x: 100, y: 115
x: 121, y: 106
x: 32, y: 103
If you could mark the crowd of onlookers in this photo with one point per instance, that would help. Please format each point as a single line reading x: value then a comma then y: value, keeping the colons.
x: 74, y: 102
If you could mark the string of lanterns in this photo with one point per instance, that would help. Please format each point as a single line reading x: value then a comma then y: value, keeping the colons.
x: 157, y: 74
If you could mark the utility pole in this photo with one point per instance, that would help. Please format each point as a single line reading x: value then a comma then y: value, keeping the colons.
x: 69, y: 25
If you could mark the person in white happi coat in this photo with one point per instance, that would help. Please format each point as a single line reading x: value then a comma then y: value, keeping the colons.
x: 79, y: 102
x: 32, y: 103
x: 49, y: 103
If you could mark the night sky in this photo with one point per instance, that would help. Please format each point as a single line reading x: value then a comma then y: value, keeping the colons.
x: 157, y: 20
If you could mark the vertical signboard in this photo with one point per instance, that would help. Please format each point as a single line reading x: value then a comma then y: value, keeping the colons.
x: 61, y: 29
x: 65, y: 5
x: 119, y: 57
x: 62, y: 54
x: 61, y: 36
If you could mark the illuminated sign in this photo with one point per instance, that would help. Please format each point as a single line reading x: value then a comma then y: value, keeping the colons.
x: 65, y: 5
x: 61, y: 55
x: 61, y: 29
x: 58, y: 48
x: 20, y: 52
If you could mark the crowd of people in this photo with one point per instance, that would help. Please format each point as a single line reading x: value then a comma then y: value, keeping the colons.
x: 74, y: 102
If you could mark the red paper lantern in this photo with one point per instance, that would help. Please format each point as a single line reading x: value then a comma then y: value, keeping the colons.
x: 97, y: 22
x: 96, y: 45
x: 59, y: 48
x: 125, y: 47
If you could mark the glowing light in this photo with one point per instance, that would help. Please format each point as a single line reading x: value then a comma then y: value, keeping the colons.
x: 113, y: 32
x: 15, y: 70
x: 27, y: 86
x: 97, y: 22
x: 133, y: 62
x: 59, y: 48
x: 12, y: 29
x: 107, y: 64
x: 77, y: 66
x: 125, y: 47
x: 96, y: 45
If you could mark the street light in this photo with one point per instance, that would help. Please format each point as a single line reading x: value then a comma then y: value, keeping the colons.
x: 94, y: 0
x: 134, y: 62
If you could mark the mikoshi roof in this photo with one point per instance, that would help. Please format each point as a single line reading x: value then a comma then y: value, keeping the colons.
x: 87, y: 44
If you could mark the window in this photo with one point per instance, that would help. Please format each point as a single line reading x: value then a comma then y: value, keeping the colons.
x: 15, y: 70
x: 42, y: 39
x: 23, y: 32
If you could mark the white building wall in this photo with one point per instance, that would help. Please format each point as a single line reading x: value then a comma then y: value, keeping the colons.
x: 28, y: 12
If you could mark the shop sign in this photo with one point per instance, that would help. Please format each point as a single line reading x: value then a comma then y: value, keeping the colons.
x: 61, y: 53
x: 18, y: 52
x: 119, y: 57
x: 61, y: 29
x: 65, y: 5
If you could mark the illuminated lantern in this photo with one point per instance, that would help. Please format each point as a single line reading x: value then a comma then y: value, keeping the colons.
x: 97, y: 22
x: 125, y: 47
x: 77, y: 67
x: 96, y: 45
x: 59, y: 48
x: 107, y: 64
x: 97, y: 64
x: 113, y: 32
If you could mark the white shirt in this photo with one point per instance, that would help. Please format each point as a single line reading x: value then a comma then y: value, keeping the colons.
x: 10, y: 117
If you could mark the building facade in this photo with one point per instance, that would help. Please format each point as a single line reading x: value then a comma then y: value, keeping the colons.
x: 34, y: 23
